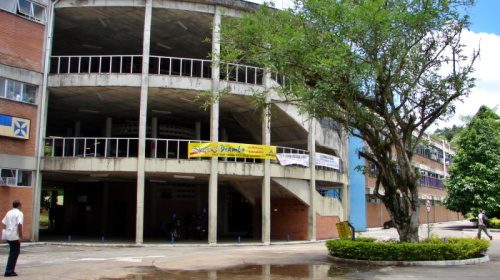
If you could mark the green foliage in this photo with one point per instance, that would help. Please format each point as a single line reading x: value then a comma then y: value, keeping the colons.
x: 494, y: 223
x: 475, y: 174
x: 448, y: 133
x: 431, y: 250
x: 384, y: 70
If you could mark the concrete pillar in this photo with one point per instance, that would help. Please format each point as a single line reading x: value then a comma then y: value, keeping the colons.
x: 214, y: 135
x: 108, y: 128
x: 311, y: 142
x: 197, y: 130
x: 139, y: 225
x: 105, y: 208
x: 78, y: 125
x: 42, y: 124
x: 266, y: 181
x: 154, y: 134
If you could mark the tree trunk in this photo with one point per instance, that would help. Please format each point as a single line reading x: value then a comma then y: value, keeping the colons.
x: 409, y: 232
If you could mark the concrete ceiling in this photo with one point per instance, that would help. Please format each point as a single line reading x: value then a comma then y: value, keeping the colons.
x: 119, y: 31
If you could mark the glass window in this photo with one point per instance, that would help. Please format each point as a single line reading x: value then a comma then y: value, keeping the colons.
x: 29, y: 94
x: 2, y: 87
x: 14, y: 90
x: 24, y: 7
x: 24, y: 178
x: 17, y: 91
x: 8, y: 173
x: 39, y: 12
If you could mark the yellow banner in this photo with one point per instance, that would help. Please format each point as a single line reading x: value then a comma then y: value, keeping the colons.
x: 217, y: 149
x: 343, y: 229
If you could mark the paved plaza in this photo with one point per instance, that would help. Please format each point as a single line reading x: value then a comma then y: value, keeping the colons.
x: 112, y: 261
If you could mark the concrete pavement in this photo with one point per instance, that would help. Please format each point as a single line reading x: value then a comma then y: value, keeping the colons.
x: 167, y: 261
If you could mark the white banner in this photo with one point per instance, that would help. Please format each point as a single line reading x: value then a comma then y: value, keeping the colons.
x: 327, y: 161
x: 289, y: 159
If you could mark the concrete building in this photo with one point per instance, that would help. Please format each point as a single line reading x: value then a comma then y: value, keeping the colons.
x: 115, y: 107
x: 432, y: 159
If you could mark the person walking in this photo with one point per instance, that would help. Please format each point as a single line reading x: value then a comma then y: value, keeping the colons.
x: 482, y: 225
x: 13, y: 225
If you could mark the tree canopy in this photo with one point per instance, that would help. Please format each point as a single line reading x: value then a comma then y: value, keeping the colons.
x: 475, y: 174
x: 385, y: 70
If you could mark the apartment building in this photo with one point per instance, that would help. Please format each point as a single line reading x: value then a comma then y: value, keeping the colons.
x: 432, y: 159
x: 111, y: 91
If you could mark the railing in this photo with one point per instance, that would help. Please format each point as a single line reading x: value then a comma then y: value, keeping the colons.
x: 96, y: 64
x: 160, y: 65
x: 175, y: 66
x: 431, y: 182
x: 102, y: 147
x: 91, y: 147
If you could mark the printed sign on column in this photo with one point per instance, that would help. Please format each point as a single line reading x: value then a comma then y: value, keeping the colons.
x: 14, y: 127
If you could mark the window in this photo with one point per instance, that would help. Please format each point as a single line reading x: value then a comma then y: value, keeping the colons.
x: 17, y: 91
x: 15, y: 177
x: 24, y: 8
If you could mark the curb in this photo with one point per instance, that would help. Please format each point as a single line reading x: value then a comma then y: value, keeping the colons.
x: 483, y: 259
x: 131, y: 245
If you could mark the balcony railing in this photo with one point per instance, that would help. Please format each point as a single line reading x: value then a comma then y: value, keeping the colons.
x: 128, y: 147
x: 159, y: 65
x: 431, y: 182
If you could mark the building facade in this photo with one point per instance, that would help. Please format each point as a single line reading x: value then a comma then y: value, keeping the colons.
x: 113, y: 92
x: 21, y: 78
x: 432, y: 158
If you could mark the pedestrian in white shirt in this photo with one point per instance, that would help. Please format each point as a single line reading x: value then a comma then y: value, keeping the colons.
x: 13, y: 225
x: 482, y: 225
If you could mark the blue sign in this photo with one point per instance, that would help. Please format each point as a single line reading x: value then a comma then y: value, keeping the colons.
x: 14, y: 127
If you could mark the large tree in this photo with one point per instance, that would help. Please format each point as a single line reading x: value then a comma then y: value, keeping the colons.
x: 475, y: 173
x: 383, y: 69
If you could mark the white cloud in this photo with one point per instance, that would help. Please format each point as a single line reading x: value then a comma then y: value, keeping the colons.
x: 487, y: 74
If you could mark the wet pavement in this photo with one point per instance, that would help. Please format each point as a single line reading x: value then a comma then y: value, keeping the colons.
x: 281, y: 260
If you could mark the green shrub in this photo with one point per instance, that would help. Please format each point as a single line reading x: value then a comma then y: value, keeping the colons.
x: 494, y: 223
x: 431, y: 250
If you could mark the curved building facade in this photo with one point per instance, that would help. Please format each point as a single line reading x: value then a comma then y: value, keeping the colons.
x: 121, y: 101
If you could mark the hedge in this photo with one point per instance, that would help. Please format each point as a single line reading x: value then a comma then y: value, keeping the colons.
x: 428, y: 250
x: 494, y: 223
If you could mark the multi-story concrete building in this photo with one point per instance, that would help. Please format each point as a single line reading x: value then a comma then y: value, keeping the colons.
x: 111, y: 91
x: 432, y: 159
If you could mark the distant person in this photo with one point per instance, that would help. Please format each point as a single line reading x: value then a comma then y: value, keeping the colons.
x: 482, y: 225
x: 13, y: 225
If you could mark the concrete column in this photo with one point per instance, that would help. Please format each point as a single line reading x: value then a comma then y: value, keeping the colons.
x: 311, y: 142
x: 154, y: 134
x: 266, y: 181
x: 42, y: 124
x: 197, y: 130
x: 104, y: 213
x: 214, y: 135
x: 78, y: 125
x: 109, y: 126
x: 139, y: 225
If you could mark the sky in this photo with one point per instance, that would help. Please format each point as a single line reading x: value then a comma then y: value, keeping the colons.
x: 484, y: 33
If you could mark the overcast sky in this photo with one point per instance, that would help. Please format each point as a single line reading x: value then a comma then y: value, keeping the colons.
x: 484, y: 33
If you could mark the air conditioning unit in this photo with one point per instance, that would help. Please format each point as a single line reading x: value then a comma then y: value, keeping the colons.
x: 11, y: 181
x: 8, y: 181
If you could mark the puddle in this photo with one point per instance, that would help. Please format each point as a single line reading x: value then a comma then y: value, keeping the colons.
x: 255, y: 272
